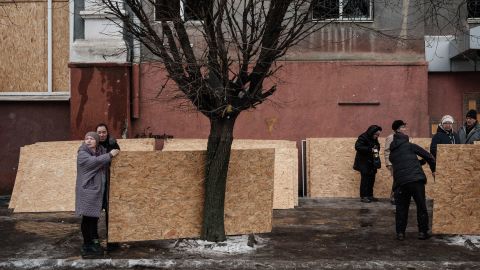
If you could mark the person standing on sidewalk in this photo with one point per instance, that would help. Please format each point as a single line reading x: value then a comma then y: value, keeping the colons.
x: 409, y: 181
x: 444, y: 135
x: 92, y: 161
x: 367, y: 161
x: 470, y: 132
x: 109, y: 143
x: 397, y: 126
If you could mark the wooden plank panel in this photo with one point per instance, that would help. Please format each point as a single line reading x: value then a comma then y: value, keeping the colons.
x: 330, y: 169
x: 286, y: 164
x: 159, y: 195
x: 457, y: 190
x: 46, y: 178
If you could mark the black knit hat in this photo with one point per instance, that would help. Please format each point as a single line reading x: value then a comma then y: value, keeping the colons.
x: 397, y: 124
x: 472, y: 114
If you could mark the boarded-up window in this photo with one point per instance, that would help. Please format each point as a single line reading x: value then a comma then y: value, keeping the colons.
x: 167, y: 10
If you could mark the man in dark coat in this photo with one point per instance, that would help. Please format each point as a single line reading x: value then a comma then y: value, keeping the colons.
x: 470, y: 132
x: 444, y: 135
x: 367, y: 161
x: 109, y: 143
x: 409, y: 181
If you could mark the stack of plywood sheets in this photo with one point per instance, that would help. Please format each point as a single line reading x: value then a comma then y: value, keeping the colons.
x: 160, y: 195
x: 456, y: 196
x: 330, y: 169
x: 47, y: 172
x: 286, y: 164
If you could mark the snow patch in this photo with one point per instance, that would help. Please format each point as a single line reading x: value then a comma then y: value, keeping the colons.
x: 468, y: 241
x: 233, y: 245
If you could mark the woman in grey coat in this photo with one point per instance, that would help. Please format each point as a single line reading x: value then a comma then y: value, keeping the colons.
x: 92, y: 160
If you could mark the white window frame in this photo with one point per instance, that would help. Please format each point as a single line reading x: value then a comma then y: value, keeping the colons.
x: 49, y: 94
x: 342, y: 19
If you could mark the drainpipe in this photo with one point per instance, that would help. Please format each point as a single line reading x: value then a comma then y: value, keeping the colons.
x: 136, y: 73
x: 49, y: 47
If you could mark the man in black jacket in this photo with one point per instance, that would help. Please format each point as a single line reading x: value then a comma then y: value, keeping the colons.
x: 109, y: 143
x: 409, y: 181
x: 367, y: 161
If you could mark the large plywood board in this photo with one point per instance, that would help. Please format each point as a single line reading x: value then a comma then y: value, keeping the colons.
x: 456, y: 196
x: 47, y: 173
x: 201, y: 144
x: 330, y: 169
x: 160, y: 195
x: 286, y: 164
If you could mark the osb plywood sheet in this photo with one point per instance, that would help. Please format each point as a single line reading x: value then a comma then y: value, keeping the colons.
x: 47, y: 184
x: 24, y: 53
x: 61, y: 46
x: 286, y: 164
x: 284, y: 174
x: 159, y: 195
x: 330, y: 169
x: 456, y: 196
x: 23, y: 162
x: 201, y: 144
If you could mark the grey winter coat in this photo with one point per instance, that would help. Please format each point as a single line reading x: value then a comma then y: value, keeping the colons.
x: 91, y: 168
x: 469, y: 138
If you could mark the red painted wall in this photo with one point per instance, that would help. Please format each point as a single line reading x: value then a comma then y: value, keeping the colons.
x: 306, y: 102
x: 23, y: 123
x: 445, y: 93
x: 100, y: 93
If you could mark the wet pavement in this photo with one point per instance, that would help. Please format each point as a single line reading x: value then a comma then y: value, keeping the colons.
x: 319, y: 234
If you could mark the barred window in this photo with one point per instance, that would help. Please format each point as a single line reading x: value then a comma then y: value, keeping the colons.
x: 473, y: 9
x: 348, y: 10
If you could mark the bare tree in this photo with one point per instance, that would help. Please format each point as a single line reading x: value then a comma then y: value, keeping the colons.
x: 242, y: 40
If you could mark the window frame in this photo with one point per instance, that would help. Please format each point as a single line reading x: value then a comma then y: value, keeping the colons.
x: 342, y: 19
x: 181, y: 11
x: 473, y: 19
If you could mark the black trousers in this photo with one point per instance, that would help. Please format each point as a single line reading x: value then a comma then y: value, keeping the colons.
x: 367, y: 182
x: 403, y: 194
x: 89, y: 229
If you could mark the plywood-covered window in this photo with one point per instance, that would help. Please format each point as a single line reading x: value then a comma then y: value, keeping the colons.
x: 471, y: 101
x: 24, y: 57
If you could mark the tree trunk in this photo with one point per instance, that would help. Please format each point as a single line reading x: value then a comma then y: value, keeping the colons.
x: 218, y: 157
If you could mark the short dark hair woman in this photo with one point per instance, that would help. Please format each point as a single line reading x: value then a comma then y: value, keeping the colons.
x: 92, y: 161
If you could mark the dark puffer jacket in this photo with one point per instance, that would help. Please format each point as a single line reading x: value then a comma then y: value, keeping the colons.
x: 364, y: 156
x: 110, y: 144
x: 443, y: 137
x: 406, y: 166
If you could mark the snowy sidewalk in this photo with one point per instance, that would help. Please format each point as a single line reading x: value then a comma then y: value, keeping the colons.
x: 319, y: 234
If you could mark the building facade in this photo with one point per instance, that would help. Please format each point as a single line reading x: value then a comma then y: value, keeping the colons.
x: 370, y: 63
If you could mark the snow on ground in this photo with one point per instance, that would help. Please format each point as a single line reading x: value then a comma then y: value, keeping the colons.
x: 233, y: 245
x: 468, y: 241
